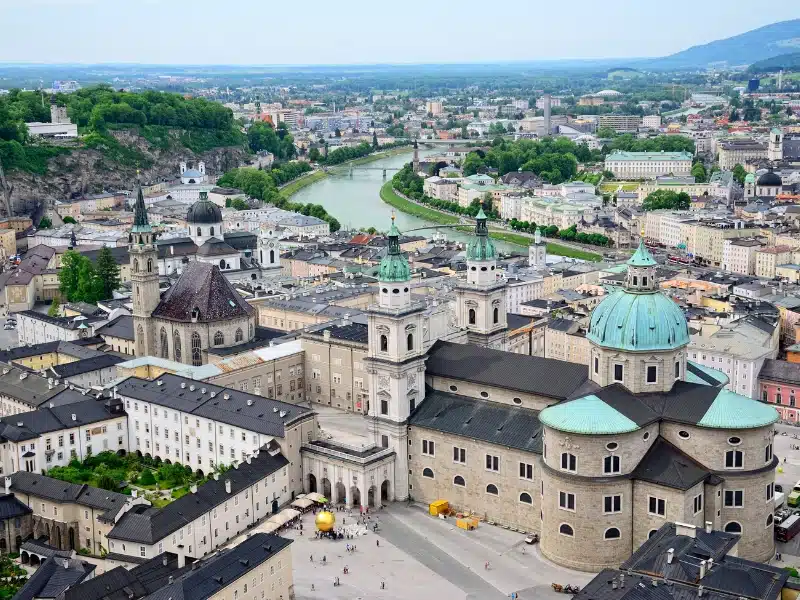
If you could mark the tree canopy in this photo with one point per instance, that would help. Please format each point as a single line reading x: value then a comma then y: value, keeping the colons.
x: 261, y: 136
x: 666, y: 199
x: 80, y: 280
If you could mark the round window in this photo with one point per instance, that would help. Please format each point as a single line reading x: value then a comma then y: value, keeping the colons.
x: 517, y: 400
x: 453, y: 388
x: 734, y: 441
x: 612, y: 446
x: 396, y: 291
x: 473, y: 268
x: 385, y: 290
x: 646, y: 436
x: 492, y: 267
x: 405, y: 289
x: 683, y: 434
x: 484, y: 394
x: 483, y: 268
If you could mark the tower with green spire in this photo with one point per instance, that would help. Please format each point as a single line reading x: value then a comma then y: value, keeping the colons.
x: 481, y: 299
x: 395, y: 359
x: 144, y: 276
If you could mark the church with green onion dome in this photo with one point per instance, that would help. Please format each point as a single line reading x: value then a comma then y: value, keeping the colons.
x: 650, y: 438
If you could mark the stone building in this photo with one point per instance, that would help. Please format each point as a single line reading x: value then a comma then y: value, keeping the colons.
x: 16, y: 524
x: 597, y: 462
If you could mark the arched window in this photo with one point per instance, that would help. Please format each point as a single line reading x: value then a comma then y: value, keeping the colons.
x: 222, y: 263
x: 135, y: 265
x: 426, y: 472
x: 492, y: 489
x: 733, y: 527
x: 472, y: 316
x: 410, y: 341
x: 140, y: 351
x: 770, y: 520
x: 149, y: 265
x: 197, y: 358
x: 459, y: 480
x: 239, y: 335
x: 565, y: 529
x: 164, y: 344
x: 251, y: 330
x: 271, y: 256
x: 384, y: 343
x: 525, y: 497
x: 211, y: 231
x: 199, y: 232
x: 496, y: 315
x: 219, y: 338
x: 176, y: 344
x: 652, y: 533
x: 612, y: 533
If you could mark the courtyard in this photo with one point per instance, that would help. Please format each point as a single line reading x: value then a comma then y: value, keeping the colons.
x: 422, y: 557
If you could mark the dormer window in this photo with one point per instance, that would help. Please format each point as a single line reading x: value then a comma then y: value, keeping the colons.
x: 195, y: 314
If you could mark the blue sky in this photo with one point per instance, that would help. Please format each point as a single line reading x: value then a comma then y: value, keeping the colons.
x: 365, y: 31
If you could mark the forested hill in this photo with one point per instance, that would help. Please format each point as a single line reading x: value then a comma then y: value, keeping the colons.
x: 120, y: 132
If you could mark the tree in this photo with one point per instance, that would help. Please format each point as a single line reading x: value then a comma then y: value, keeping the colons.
x: 666, y: 199
x: 6, y: 189
x: 53, y: 311
x: 107, y: 271
x: 472, y: 163
x: 146, y: 478
x: 374, y: 140
x: 734, y: 116
x: 45, y: 223
x: 739, y: 174
x: 69, y: 220
x: 262, y: 137
x: 314, y: 155
x: 337, y: 132
x: 699, y: 172
x: 78, y: 281
x: 107, y: 482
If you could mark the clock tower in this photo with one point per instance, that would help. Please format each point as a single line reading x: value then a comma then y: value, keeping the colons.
x: 144, y: 277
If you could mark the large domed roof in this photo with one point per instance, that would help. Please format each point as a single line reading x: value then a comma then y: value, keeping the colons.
x: 204, y: 212
x: 394, y: 266
x: 769, y: 179
x: 631, y: 321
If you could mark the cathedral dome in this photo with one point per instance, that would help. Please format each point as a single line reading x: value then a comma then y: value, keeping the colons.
x: 480, y: 246
x: 204, y: 212
x: 769, y: 179
x: 394, y: 266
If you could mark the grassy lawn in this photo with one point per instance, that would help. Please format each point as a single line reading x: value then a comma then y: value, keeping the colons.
x: 609, y: 187
x: 298, y: 184
x: 389, y: 196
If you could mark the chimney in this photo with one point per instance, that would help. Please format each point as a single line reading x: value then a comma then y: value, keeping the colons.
x: 622, y: 580
x: 74, y: 417
x: 702, y: 568
x: 670, y: 555
x: 700, y: 591
x: 685, y: 529
x: 248, y: 459
x: 227, y: 486
x: 326, y: 335
x: 115, y: 392
x: 710, y: 563
x: 134, y: 493
x: 708, y: 526
x: 164, y: 560
x: 170, y: 579
x: 181, y: 557
x: 7, y: 483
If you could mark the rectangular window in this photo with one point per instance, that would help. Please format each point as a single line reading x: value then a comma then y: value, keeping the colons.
x: 768, y: 453
x: 596, y: 365
x: 652, y: 374
x: 384, y: 407
x: 734, y: 498
x: 657, y: 506
x: 611, y: 464
x: 770, y: 491
x: 459, y: 455
x: 612, y: 504
x: 525, y: 471
x: 492, y: 462
x: 618, y: 372
x: 566, y: 501
x: 734, y: 459
x: 568, y: 462
x: 428, y: 448
x: 698, y: 503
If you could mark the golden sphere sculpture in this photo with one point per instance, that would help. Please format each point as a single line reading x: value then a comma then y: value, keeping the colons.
x: 325, y: 521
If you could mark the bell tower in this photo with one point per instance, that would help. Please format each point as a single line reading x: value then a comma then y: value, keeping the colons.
x: 396, y: 360
x: 537, y: 252
x: 481, y: 300
x: 775, y: 148
x: 144, y: 277
x: 269, y: 252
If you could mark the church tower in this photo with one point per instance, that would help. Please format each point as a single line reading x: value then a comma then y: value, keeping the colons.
x: 537, y: 251
x: 269, y: 252
x: 481, y: 300
x: 415, y: 163
x: 144, y: 277
x: 775, y: 148
x: 396, y: 360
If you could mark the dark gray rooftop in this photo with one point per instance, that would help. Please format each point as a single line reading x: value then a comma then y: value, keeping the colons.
x: 30, y: 425
x: 780, y: 370
x: 87, y: 365
x: 531, y: 374
x: 11, y: 507
x: 121, y: 327
x: 53, y: 577
x: 666, y: 465
x: 491, y: 422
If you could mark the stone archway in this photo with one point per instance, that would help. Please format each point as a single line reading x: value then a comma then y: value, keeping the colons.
x: 25, y: 558
x: 71, y: 538
x: 386, y: 489
x: 199, y: 473
x: 120, y: 452
x: 58, y: 537
x: 326, y: 489
x: 355, y: 496
x: 34, y: 560
x: 312, y: 483
x: 341, y: 493
x: 371, y: 496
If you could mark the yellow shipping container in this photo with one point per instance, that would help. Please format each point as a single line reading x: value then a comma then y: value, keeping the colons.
x: 439, y: 506
x: 467, y: 524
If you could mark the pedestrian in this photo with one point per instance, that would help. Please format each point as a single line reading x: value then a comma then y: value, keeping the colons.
x: 486, y: 566
x: 311, y: 558
x: 325, y: 559
x: 377, y: 542
x: 383, y: 585
x: 312, y: 587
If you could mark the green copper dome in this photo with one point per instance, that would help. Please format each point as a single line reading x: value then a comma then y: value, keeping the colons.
x: 394, y: 266
x: 642, y: 257
x: 634, y: 321
x: 588, y: 416
x: 481, y: 247
x: 732, y: 411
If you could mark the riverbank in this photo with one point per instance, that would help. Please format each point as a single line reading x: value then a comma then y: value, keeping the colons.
x: 392, y: 198
x: 298, y: 184
x: 552, y: 247
x: 373, y: 157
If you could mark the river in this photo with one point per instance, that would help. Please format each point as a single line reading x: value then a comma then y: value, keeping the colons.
x: 355, y: 200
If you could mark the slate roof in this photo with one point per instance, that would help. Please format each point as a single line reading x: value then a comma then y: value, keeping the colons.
x: 54, y: 577
x: 491, y: 422
x: 70, y: 348
x: 222, y: 569
x: 263, y: 336
x: 664, y: 464
x: 26, y: 387
x: 263, y: 415
x: 780, y: 370
x: 148, y: 525
x: 87, y: 365
x: 202, y: 286
x: 357, y: 332
x: 531, y: 374
x: 516, y: 321
x: 215, y: 247
x: 33, y: 484
x: 11, y: 507
x: 121, y: 327
x: 30, y: 425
